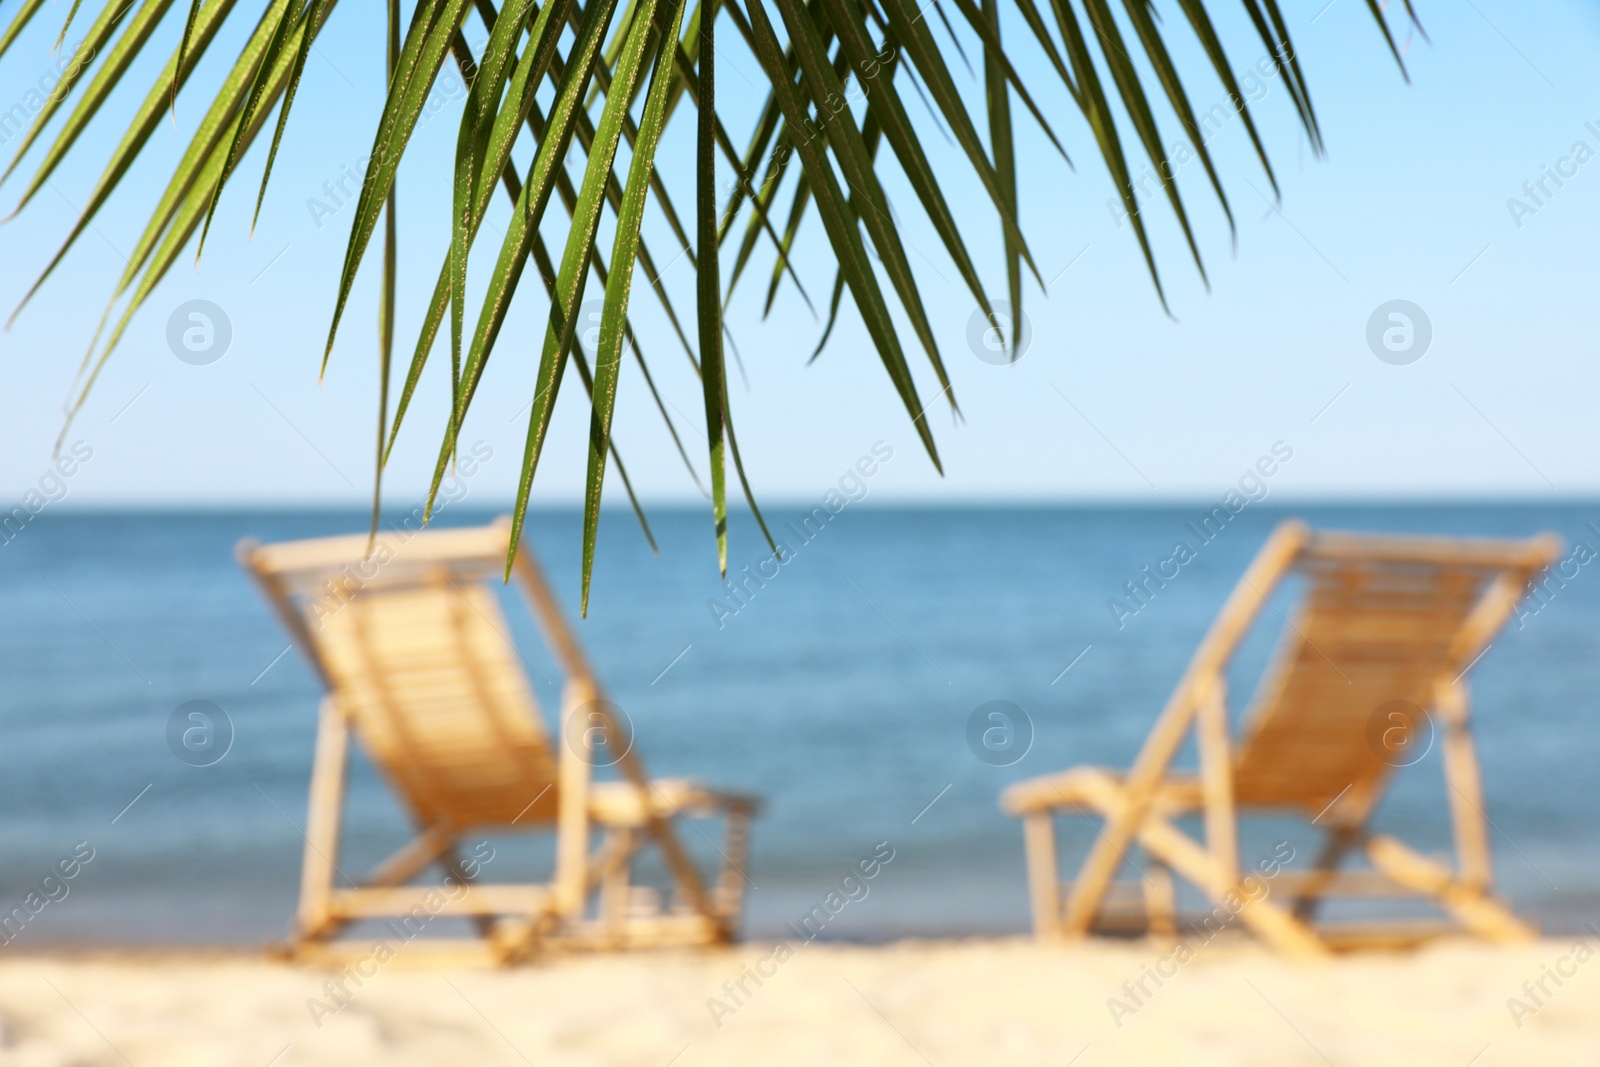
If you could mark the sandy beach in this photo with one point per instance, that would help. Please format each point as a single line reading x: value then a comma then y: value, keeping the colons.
x: 955, y: 1002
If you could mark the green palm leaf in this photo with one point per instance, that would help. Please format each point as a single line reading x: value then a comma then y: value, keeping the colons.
x: 139, y: 129
x: 831, y: 95
x: 18, y: 23
x: 420, y: 57
x: 608, y: 355
x: 574, y: 271
x: 123, y: 53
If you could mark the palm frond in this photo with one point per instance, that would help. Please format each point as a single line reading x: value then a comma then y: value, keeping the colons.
x: 835, y: 75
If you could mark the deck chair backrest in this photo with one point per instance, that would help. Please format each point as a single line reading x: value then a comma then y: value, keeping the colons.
x: 413, y: 646
x: 1383, y: 623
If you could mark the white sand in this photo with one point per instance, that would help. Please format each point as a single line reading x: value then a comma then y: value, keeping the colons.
x: 941, y: 1003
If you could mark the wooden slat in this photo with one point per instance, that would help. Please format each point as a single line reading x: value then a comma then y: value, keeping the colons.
x: 1451, y: 551
x: 559, y: 636
x: 481, y: 899
x: 454, y: 953
x: 473, y: 544
x: 1389, y: 936
x: 1180, y: 794
x: 1376, y: 626
x: 440, y: 701
x: 1340, y: 884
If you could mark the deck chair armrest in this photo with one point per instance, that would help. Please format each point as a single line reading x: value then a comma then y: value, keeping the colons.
x: 618, y: 803
x: 1084, y: 788
x: 1051, y: 791
x: 722, y: 800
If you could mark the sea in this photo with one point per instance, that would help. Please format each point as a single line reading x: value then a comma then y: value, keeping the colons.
x: 854, y: 687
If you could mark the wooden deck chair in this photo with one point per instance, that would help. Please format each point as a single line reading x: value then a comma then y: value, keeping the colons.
x: 1383, y: 619
x: 418, y: 662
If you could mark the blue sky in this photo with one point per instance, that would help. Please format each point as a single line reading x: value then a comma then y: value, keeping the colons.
x: 1113, y: 400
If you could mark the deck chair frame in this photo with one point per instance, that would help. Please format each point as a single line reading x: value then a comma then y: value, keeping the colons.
x: 1140, y: 806
x: 513, y: 921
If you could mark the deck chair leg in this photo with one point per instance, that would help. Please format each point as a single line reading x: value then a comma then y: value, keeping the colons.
x: 1095, y: 876
x: 1463, y: 779
x: 1347, y: 829
x: 1160, y: 902
x: 615, y: 881
x: 1469, y: 904
x: 1339, y: 841
x: 1170, y: 846
x: 1044, y: 879
x: 1216, y: 782
x: 323, y: 815
x: 1278, y: 926
x: 1267, y: 919
x: 572, y: 818
x: 1235, y: 618
x: 483, y: 924
x: 736, y: 849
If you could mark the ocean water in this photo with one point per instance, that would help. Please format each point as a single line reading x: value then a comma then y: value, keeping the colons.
x: 841, y: 690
